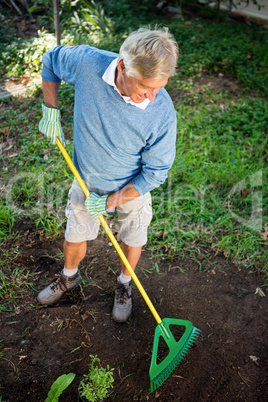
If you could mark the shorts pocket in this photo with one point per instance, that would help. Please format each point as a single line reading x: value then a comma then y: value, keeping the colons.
x: 145, y: 214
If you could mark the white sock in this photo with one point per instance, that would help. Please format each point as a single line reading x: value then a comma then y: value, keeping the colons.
x: 124, y: 278
x: 70, y: 272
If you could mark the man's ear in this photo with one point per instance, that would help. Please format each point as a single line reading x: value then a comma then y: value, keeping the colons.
x: 121, y: 67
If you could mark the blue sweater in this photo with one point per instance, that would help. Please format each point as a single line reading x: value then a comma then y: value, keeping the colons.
x: 114, y: 142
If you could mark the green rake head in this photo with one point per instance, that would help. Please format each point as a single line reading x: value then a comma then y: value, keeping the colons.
x: 177, y: 349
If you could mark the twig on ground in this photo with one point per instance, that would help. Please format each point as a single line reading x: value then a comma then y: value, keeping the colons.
x: 11, y: 363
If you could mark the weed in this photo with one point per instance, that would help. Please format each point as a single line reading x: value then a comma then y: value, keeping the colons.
x: 145, y: 271
x: 96, y: 383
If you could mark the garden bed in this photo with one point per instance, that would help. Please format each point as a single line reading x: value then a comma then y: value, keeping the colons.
x: 226, y: 302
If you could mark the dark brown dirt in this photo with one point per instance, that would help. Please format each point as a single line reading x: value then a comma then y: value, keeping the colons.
x: 227, y: 363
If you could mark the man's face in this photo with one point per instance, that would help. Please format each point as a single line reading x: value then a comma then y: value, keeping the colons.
x: 138, y: 89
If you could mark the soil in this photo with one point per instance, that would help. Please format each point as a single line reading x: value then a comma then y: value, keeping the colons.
x: 228, y: 361
x: 227, y: 302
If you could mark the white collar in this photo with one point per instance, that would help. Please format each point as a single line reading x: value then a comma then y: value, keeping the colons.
x: 109, y: 77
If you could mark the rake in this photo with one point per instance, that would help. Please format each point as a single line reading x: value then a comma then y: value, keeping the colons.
x: 159, y: 372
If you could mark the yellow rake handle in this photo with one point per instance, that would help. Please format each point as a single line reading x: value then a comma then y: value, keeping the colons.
x: 111, y: 236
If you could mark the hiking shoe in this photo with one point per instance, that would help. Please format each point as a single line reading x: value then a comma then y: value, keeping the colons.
x: 122, y: 301
x: 52, y: 293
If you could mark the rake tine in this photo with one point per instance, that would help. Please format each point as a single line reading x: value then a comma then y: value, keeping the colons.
x: 177, y: 350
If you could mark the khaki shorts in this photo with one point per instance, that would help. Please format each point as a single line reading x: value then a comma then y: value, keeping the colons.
x: 134, y: 218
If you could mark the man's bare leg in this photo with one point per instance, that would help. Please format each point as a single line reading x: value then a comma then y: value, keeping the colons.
x: 133, y: 255
x: 73, y: 253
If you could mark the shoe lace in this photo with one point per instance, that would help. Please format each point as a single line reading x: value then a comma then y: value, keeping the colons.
x: 121, y: 293
x: 59, y: 283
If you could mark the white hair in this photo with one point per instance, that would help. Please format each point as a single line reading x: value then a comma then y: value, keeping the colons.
x: 150, y: 54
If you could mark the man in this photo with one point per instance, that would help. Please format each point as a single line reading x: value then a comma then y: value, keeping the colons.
x: 124, y: 144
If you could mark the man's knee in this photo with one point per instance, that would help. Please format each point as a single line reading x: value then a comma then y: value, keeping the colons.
x: 74, y: 245
x: 131, y: 247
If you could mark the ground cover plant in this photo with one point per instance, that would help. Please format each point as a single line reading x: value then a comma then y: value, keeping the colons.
x: 208, y: 237
x: 97, y: 382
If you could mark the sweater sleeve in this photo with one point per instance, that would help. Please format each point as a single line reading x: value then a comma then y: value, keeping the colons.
x: 62, y: 63
x: 157, y: 158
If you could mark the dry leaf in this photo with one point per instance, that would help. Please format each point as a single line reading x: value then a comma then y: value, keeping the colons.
x: 159, y: 233
x: 264, y: 234
x: 4, y: 130
x: 84, y: 317
x: 246, y: 192
x: 259, y: 292
x: 225, y: 61
x: 165, y: 235
x: 254, y: 358
x: 22, y: 357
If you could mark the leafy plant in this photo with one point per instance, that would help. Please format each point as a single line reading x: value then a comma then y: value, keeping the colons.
x: 24, y: 55
x: 44, y: 11
x: 95, y: 15
x: 95, y: 385
x: 59, y: 386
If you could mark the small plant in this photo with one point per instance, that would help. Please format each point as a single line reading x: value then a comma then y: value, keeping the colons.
x: 95, y: 385
x: 59, y: 386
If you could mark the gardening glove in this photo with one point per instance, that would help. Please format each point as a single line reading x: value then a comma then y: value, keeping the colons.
x: 50, y: 124
x: 96, y: 205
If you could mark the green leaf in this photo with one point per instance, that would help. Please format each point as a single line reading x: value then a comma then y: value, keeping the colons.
x: 34, y: 8
x: 59, y: 386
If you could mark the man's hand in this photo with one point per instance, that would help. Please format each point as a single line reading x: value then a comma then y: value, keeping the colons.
x: 50, y: 124
x: 96, y: 205
x: 119, y: 197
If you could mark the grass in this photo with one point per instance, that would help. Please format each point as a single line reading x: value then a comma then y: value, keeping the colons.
x: 14, y: 285
x: 34, y: 182
x: 7, y: 219
x: 217, y: 192
x: 216, y: 197
x: 237, y: 50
